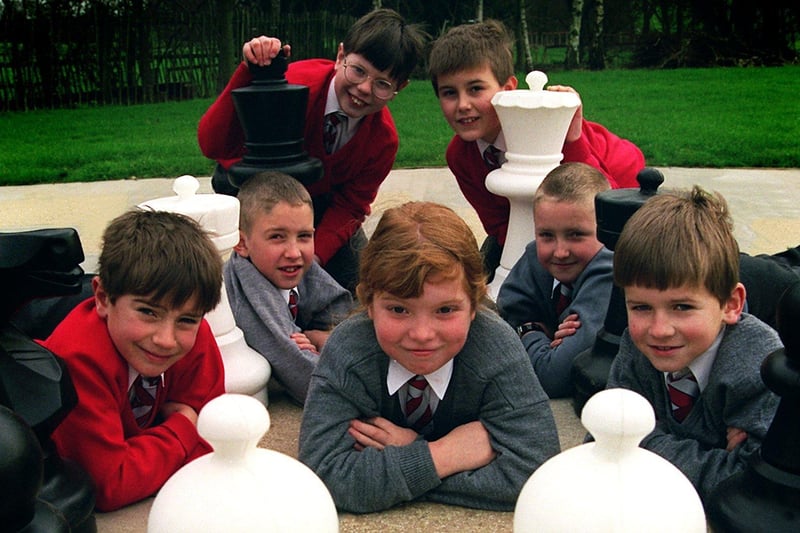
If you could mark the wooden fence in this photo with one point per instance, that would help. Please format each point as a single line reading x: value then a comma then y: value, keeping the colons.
x: 98, y: 65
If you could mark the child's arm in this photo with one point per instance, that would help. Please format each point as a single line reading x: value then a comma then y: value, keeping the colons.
x: 466, y: 447
x: 219, y: 133
x: 523, y: 298
x: 360, y: 480
x: 619, y: 159
x: 371, y: 154
x: 262, y: 315
x: 703, y: 454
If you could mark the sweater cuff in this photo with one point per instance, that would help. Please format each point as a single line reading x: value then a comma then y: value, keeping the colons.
x: 416, y: 464
x: 184, y: 431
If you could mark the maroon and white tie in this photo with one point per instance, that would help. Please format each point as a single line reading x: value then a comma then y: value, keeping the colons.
x: 143, y: 397
x: 293, y: 304
x: 683, y: 390
x: 491, y: 156
x: 418, y: 407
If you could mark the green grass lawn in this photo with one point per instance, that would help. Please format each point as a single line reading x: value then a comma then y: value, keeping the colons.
x: 722, y: 117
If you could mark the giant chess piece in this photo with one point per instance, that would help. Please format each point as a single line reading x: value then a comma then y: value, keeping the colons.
x: 21, y: 471
x: 766, y: 495
x: 272, y: 114
x: 36, y: 389
x: 240, y: 487
x: 613, y: 209
x: 246, y: 371
x: 611, y: 484
x: 535, y: 124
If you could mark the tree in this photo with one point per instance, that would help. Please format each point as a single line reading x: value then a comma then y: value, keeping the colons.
x: 573, y: 58
x: 597, y: 55
x: 525, y: 41
x: 225, y: 54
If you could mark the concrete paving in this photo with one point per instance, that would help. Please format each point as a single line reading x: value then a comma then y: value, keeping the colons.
x: 764, y: 203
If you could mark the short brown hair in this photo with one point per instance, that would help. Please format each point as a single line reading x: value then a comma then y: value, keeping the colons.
x: 679, y: 238
x: 571, y: 182
x: 385, y: 39
x: 413, y: 242
x: 471, y: 46
x: 162, y: 255
x: 263, y: 191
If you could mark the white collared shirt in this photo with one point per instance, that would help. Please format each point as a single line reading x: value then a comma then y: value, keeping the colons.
x: 285, y: 294
x: 439, y: 380
x: 133, y: 374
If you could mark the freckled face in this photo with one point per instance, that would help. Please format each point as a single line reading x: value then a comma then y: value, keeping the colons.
x: 423, y: 334
x: 280, y: 244
x: 466, y: 101
x: 674, y: 327
x: 566, y: 237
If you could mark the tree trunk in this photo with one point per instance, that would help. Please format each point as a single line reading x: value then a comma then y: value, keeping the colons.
x: 226, y: 56
x: 525, y: 41
x: 573, y: 58
x: 597, y: 51
x: 479, y: 11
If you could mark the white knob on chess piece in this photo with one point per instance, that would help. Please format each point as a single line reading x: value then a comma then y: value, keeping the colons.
x: 610, y: 484
x: 240, y: 487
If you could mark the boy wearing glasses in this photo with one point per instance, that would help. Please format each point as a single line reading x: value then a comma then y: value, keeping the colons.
x: 348, y: 127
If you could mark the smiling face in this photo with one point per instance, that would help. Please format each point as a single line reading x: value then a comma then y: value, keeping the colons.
x: 424, y: 333
x: 357, y: 99
x: 675, y: 326
x: 566, y: 237
x: 466, y: 100
x: 149, y: 335
x: 280, y: 243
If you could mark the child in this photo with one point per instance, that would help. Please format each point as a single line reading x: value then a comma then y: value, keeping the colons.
x: 142, y: 358
x: 372, y: 65
x: 372, y: 429
x: 565, y: 261
x: 677, y: 261
x: 274, y: 257
x: 468, y: 65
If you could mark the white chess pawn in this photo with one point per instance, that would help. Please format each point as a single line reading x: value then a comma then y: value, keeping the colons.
x: 246, y: 371
x: 611, y: 484
x: 240, y: 487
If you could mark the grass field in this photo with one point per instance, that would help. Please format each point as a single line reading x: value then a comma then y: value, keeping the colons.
x: 722, y: 117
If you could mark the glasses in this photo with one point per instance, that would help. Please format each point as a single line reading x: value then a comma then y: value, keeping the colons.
x: 381, y: 88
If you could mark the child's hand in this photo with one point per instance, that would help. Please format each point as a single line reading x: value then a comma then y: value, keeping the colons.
x: 171, y: 408
x: 736, y: 436
x: 262, y: 50
x: 317, y: 337
x: 574, y: 131
x: 467, y: 447
x: 378, y: 433
x: 565, y: 329
x: 303, y: 342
